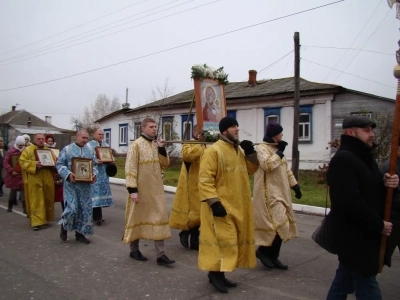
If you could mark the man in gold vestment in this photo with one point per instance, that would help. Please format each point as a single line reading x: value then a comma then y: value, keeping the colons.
x: 226, y: 212
x: 146, y: 212
x: 38, y: 185
x: 272, y: 200
x: 185, y: 212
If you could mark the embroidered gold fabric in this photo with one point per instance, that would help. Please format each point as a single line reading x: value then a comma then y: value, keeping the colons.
x: 185, y: 212
x: 227, y: 242
x: 272, y: 199
x: 147, y: 219
x: 38, y: 187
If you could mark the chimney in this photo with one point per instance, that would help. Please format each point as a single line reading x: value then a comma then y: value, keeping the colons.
x: 126, y: 104
x: 252, y: 77
x: 13, y: 107
x: 29, y: 122
x: 47, y: 119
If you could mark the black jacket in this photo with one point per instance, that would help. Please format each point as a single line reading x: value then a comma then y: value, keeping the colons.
x: 357, y: 202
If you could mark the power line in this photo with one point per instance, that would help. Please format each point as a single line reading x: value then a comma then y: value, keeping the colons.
x: 361, y: 47
x: 362, y: 29
x: 278, y: 60
x: 340, y: 48
x: 73, y: 27
x: 60, y: 43
x: 315, y: 63
x: 84, y: 42
x: 284, y: 67
x: 175, y: 47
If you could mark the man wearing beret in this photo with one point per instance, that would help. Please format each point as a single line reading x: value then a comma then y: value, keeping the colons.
x: 101, y: 191
x: 272, y: 200
x: 357, y: 193
x: 226, y: 213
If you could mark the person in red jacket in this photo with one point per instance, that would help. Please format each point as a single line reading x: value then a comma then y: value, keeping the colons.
x: 13, y: 178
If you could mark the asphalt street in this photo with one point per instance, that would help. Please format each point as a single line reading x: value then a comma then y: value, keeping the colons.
x: 38, y: 265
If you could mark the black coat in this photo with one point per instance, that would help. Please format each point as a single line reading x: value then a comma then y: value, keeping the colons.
x: 357, y: 196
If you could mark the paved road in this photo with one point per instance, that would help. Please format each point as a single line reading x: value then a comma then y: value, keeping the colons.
x: 38, y: 265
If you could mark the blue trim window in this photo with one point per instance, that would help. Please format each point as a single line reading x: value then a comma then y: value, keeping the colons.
x: 189, y: 132
x: 305, y: 124
x: 107, y: 136
x: 123, y: 134
x: 231, y: 113
x: 168, y: 129
x: 271, y: 114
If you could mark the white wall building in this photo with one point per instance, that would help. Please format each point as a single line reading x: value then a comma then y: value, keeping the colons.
x: 254, y: 104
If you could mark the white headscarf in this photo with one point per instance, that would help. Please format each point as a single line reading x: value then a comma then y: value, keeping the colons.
x: 20, y: 140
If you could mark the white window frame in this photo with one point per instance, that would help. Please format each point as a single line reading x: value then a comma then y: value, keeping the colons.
x: 170, y: 122
x: 107, y: 139
x: 303, y: 125
x: 267, y: 119
x: 123, y: 134
x: 137, y: 129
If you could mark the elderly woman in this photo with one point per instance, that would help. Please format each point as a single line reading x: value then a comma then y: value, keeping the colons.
x: 13, y: 178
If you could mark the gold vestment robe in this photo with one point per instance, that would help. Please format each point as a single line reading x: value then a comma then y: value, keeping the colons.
x: 147, y: 219
x: 38, y: 188
x: 272, y: 198
x: 185, y: 212
x: 226, y: 242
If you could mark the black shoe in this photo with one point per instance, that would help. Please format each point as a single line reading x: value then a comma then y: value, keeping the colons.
x: 217, y: 280
x: 9, y: 209
x: 36, y: 228
x: 184, y: 238
x: 279, y: 265
x: 63, y: 233
x: 228, y: 283
x: 99, y: 223
x: 81, y: 238
x: 137, y: 255
x: 265, y: 260
x: 164, y: 260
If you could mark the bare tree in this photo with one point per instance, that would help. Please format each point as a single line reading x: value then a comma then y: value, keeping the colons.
x: 100, y: 108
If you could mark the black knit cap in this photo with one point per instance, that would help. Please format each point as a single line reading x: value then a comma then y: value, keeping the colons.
x: 227, y: 122
x: 273, y: 129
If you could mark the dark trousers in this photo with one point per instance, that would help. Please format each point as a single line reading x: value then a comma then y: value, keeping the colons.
x: 272, y: 251
x: 97, y: 214
x: 347, y: 282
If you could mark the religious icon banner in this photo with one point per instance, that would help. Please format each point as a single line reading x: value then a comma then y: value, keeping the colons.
x: 210, y: 103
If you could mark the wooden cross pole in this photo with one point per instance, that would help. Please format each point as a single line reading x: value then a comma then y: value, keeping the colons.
x: 392, y: 163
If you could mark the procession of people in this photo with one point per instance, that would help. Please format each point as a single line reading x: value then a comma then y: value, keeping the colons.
x: 213, y: 207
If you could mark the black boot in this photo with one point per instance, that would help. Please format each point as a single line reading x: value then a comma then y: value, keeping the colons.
x: 81, y: 238
x: 279, y: 265
x: 10, y: 205
x: 264, y: 259
x: 184, y: 238
x: 228, y: 283
x: 194, y: 238
x: 217, y: 280
x: 63, y: 233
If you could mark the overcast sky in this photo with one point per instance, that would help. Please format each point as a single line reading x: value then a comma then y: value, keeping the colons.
x: 35, y: 28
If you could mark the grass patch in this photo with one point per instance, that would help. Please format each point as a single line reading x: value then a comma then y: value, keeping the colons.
x: 314, y: 193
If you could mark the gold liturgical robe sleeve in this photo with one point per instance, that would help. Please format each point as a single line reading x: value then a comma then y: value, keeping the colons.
x: 207, y: 175
x: 27, y: 160
x: 132, y: 165
x: 269, y: 161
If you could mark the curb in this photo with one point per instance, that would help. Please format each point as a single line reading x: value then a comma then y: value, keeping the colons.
x: 306, y: 209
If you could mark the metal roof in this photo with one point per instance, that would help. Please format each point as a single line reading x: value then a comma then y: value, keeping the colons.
x: 34, y: 129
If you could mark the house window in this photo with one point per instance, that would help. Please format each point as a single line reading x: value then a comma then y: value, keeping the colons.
x: 231, y: 113
x: 107, y: 136
x: 137, y: 130
x: 368, y: 114
x: 305, y: 123
x: 167, y: 129
x: 271, y: 114
x: 123, y: 134
x: 189, y: 131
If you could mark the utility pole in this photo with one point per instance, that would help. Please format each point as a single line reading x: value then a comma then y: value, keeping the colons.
x: 296, y: 107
